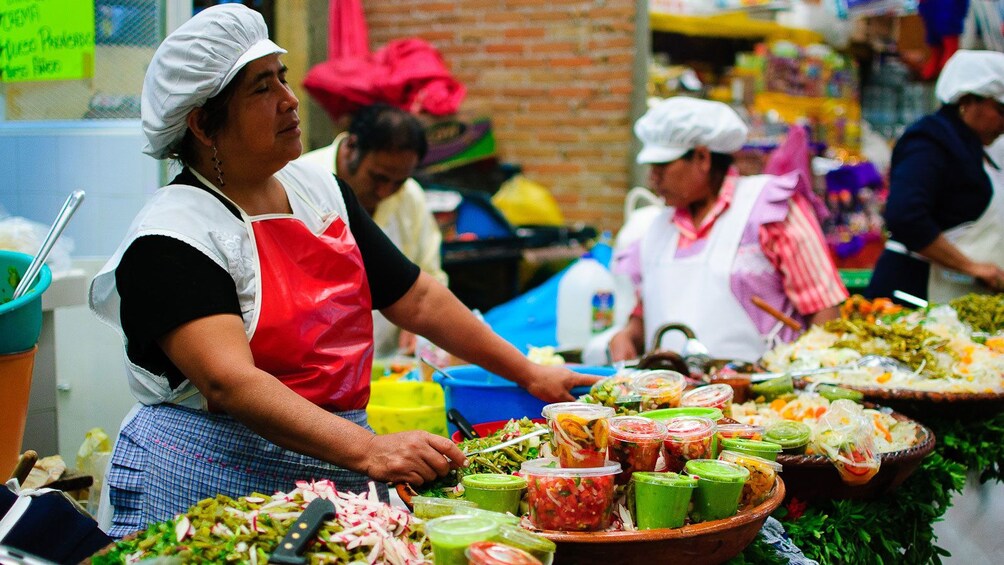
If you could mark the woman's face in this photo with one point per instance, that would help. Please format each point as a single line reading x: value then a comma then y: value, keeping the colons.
x: 262, y: 128
x: 985, y: 116
x: 682, y: 182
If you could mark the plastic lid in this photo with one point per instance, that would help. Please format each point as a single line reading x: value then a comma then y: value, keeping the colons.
x: 521, y: 538
x: 550, y: 466
x: 589, y: 411
x: 633, y: 428
x: 498, y: 517
x: 788, y: 433
x: 664, y: 414
x: 738, y: 430
x: 494, y: 553
x: 442, y: 502
x: 461, y: 526
x: 710, y: 395
x: 689, y: 427
x: 494, y: 481
x: 751, y: 445
x: 668, y: 479
x: 655, y: 382
x: 716, y: 470
x: 749, y: 460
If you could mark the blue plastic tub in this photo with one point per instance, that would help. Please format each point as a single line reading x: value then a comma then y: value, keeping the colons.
x: 486, y: 397
x: 21, y: 319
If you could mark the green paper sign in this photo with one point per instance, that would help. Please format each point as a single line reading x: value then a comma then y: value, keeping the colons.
x: 46, y: 40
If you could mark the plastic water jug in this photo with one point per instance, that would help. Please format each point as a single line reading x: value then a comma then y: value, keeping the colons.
x: 585, y: 302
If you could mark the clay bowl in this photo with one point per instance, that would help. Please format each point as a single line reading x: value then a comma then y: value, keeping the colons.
x: 697, y: 544
x: 810, y: 477
x: 918, y: 403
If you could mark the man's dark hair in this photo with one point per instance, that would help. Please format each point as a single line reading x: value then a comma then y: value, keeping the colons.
x: 379, y: 127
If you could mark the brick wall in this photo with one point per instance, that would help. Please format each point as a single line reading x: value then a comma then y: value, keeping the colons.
x: 554, y: 76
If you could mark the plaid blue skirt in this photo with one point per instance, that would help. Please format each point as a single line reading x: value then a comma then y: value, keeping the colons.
x: 168, y: 457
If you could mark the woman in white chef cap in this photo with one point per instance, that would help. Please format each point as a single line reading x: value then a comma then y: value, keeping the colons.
x: 944, y: 216
x: 722, y: 240
x: 244, y: 293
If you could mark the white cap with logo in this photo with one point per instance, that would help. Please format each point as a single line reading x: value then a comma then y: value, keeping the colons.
x: 677, y: 125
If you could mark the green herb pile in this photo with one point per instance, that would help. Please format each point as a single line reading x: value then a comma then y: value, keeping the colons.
x: 898, y: 527
x: 248, y: 530
x: 982, y: 312
x: 506, y: 461
x: 914, y: 346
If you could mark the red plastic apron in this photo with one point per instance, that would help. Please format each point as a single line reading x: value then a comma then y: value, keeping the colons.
x: 315, y: 327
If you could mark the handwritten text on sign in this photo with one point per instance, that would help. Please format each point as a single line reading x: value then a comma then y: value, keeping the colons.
x: 46, y: 40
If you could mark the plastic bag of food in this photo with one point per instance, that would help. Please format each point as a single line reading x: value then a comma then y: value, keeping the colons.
x: 92, y: 459
x: 844, y: 435
x: 25, y: 236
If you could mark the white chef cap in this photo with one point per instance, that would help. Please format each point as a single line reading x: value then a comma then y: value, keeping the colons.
x: 195, y: 63
x: 971, y: 72
x: 676, y: 125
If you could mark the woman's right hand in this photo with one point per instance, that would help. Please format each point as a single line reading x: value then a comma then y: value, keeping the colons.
x: 413, y: 457
x: 990, y: 275
x: 622, y: 347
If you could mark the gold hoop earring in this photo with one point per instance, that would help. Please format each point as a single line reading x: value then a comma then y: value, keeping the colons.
x: 218, y: 167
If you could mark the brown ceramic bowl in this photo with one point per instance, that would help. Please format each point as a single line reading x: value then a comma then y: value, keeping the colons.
x: 696, y: 544
x: 810, y: 477
x: 917, y: 403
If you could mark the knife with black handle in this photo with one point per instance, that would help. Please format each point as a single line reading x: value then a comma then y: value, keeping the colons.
x: 463, y: 426
x: 302, y: 531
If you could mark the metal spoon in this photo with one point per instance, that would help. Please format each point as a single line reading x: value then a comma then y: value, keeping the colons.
x: 879, y: 361
x: 435, y: 368
x: 69, y: 207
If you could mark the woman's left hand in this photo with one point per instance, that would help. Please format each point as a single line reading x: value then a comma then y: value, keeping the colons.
x: 552, y: 383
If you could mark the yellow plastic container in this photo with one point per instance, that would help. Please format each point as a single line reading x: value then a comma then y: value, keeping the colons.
x: 15, y: 386
x: 399, y: 406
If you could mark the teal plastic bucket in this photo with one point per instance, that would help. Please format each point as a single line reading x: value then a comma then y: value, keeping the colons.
x: 21, y: 319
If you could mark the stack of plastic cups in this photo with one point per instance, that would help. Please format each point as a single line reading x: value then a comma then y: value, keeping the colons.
x: 20, y: 326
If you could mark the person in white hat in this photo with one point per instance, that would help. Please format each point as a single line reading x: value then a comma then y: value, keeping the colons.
x: 945, y: 210
x: 244, y: 290
x: 722, y: 240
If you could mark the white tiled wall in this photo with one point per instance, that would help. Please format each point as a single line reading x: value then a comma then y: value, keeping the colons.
x: 43, y: 162
x: 40, y: 165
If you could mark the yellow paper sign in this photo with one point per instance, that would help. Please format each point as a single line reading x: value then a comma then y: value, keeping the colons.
x: 46, y: 40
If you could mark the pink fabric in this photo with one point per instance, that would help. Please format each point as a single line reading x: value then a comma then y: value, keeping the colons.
x: 347, y: 33
x: 407, y: 73
x: 793, y: 156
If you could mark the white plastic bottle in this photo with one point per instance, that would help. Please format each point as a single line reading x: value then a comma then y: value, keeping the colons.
x: 585, y: 302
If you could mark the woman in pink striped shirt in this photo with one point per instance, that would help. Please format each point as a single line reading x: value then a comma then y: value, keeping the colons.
x: 722, y: 240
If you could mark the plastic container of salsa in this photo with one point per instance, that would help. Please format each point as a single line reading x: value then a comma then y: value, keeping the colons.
x: 498, y: 517
x: 451, y: 535
x: 761, y: 480
x: 719, y: 487
x: 494, y: 553
x: 659, y: 389
x: 793, y: 437
x: 569, y: 499
x: 494, y: 491
x: 763, y: 449
x: 635, y: 443
x: 666, y: 414
x: 687, y: 438
x: 711, y: 396
x: 736, y: 431
x: 428, y: 507
x: 580, y: 433
x: 661, y: 500
x: 537, y: 546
